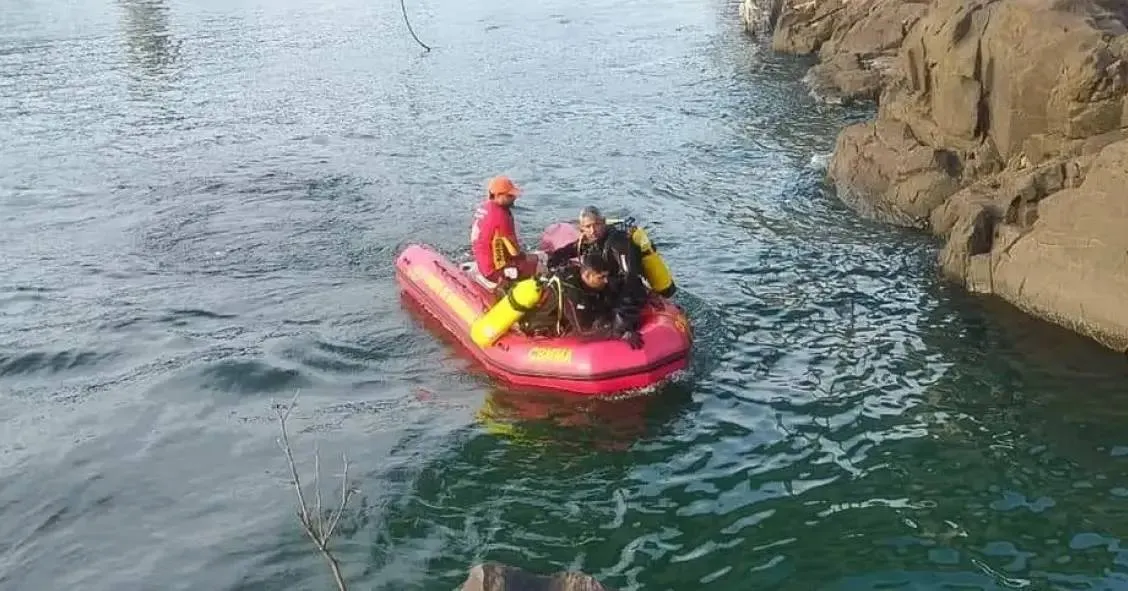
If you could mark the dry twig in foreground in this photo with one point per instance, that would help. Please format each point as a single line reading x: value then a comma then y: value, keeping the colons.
x: 316, y: 527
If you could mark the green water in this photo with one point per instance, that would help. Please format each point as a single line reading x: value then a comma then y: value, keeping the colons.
x: 200, y: 203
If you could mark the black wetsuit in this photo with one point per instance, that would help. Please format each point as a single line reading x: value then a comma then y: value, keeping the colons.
x: 625, y: 288
x: 567, y: 306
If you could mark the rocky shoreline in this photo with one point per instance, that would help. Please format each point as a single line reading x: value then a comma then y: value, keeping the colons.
x: 1001, y: 126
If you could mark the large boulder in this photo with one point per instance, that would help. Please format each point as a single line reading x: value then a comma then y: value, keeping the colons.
x: 990, y: 214
x: 857, y: 41
x: 1054, y: 247
x: 1013, y: 69
x: 493, y: 576
x: 860, y: 55
x: 1002, y: 126
x: 804, y: 25
x: 884, y: 172
x: 994, y: 85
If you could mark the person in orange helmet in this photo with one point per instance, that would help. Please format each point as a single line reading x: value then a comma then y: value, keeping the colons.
x: 498, y: 255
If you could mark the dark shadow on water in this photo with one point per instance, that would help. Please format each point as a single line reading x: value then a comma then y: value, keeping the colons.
x: 1030, y: 373
x: 992, y: 320
x: 250, y: 377
x: 437, y: 513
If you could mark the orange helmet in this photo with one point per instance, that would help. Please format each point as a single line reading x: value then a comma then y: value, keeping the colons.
x: 502, y: 185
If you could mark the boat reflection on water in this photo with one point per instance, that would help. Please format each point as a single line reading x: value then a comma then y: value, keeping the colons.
x: 557, y: 419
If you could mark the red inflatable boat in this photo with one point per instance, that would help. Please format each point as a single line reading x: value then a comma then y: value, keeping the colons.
x: 592, y: 367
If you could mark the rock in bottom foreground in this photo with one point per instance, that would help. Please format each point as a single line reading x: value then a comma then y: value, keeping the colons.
x: 493, y: 576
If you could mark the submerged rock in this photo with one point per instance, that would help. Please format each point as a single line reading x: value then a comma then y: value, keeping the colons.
x: 493, y: 576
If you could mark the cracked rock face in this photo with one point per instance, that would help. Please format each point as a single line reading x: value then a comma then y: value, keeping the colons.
x: 994, y: 84
x: 856, y: 40
x: 804, y: 25
x: 882, y: 171
x: 1002, y: 126
x: 1065, y: 259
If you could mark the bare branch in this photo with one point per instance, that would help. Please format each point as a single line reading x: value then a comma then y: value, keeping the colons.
x: 317, y: 488
x: 346, y: 492
x: 285, y: 443
x: 315, y: 526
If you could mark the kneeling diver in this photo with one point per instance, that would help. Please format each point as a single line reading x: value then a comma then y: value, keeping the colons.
x: 575, y: 301
x: 623, y: 259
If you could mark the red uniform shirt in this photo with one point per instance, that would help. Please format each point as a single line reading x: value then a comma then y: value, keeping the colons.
x: 493, y: 238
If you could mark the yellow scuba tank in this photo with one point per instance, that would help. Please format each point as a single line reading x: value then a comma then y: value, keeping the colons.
x: 521, y: 298
x: 653, y: 267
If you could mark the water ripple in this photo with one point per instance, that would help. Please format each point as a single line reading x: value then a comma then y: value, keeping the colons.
x: 199, y: 212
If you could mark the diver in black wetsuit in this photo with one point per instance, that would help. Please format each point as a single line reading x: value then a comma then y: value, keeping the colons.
x: 626, y: 291
x: 573, y: 301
